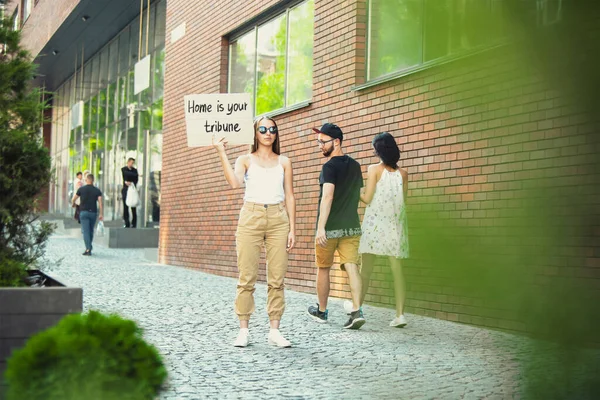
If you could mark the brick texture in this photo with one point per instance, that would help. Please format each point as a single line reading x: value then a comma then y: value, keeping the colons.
x: 471, y: 132
x: 44, y: 20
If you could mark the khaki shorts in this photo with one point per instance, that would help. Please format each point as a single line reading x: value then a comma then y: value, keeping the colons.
x: 347, y: 248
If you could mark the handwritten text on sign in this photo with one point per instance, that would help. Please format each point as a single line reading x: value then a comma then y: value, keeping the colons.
x: 219, y: 115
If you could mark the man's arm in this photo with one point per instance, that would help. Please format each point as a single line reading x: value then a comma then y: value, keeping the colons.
x: 100, y: 208
x: 326, y: 200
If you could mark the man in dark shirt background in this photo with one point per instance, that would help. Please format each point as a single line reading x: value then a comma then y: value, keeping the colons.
x: 90, y: 206
x: 130, y: 177
x: 338, y: 224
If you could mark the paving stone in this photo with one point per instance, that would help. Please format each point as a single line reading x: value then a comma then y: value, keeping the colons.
x: 188, y: 316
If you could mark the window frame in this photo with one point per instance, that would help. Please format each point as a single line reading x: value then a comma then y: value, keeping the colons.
x: 422, y: 65
x: 26, y: 5
x: 370, y: 82
x: 252, y: 26
x: 16, y: 24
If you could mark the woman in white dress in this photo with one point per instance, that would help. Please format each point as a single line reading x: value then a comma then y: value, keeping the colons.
x: 384, y: 227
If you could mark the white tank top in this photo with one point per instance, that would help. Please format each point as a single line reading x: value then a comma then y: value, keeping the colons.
x: 264, y: 185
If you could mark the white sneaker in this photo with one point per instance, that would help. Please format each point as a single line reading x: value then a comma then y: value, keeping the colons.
x: 277, y: 339
x: 399, y: 322
x: 348, y: 306
x: 243, y: 338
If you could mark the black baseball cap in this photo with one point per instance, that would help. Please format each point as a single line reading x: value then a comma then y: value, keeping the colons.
x: 331, y: 130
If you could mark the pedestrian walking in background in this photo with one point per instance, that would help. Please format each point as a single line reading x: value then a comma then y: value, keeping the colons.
x: 267, y: 218
x: 338, y: 224
x: 91, y: 210
x: 77, y: 184
x: 130, y: 177
x: 384, y: 227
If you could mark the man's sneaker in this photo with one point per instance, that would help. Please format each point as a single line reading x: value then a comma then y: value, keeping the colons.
x: 399, y: 322
x: 319, y: 316
x: 242, y: 339
x: 277, y: 339
x: 356, y: 320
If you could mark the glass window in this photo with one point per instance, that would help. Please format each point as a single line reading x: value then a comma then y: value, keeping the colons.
x: 95, y: 75
x: 406, y: 34
x: 157, y: 115
x: 124, y: 51
x: 86, y: 117
x: 26, y: 9
x: 93, y: 116
x: 113, y: 60
x: 134, y: 44
x: 270, y: 66
x: 161, y: 18
x: 122, y: 97
x: 102, y: 108
x: 403, y: 34
x: 395, y: 31
x: 149, y: 46
x: 300, y: 53
x: 242, y: 58
x: 15, y: 20
x: 159, y: 74
x: 274, y: 61
x: 131, y: 98
x: 112, y: 99
x: 103, y: 67
x: 87, y: 81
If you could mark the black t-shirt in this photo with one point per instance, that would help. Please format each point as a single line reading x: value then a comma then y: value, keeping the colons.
x: 89, y: 196
x: 344, y: 172
x: 129, y: 175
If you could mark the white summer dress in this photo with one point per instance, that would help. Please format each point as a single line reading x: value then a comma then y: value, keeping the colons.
x: 384, y: 227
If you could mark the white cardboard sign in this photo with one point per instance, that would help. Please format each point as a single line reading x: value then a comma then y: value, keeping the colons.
x: 142, y: 75
x: 222, y: 115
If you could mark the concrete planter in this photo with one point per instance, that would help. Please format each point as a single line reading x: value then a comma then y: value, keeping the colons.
x: 27, y: 311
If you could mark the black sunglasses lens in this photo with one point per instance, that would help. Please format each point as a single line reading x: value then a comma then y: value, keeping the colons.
x: 262, y: 129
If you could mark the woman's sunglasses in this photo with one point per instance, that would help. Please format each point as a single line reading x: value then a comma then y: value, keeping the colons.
x: 264, y: 129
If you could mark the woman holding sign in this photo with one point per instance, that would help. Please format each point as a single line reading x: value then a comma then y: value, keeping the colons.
x: 268, y: 217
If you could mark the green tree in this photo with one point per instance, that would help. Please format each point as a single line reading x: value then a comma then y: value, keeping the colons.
x: 25, y: 166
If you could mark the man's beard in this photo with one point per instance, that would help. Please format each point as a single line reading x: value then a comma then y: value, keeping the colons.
x: 328, y: 152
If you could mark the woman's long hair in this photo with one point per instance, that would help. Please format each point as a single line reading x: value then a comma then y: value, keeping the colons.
x: 387, y: 149
x: 257, y: 122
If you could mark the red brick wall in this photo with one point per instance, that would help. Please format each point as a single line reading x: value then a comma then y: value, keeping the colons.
x: 468, y: 130
x: 45, y: 18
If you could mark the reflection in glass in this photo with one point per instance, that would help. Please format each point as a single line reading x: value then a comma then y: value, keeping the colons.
x: 270, y: 75
x: 93, y: 115
x: 102, y: 109
x: 154, y: 178
x: 395, y: 36
x: 243, y: 64
x: 274, y: 61
x: 159, y: 74
x: 112, y: 99
x: 300, y: 54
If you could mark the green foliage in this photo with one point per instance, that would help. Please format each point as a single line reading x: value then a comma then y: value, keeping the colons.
x: 25, y: 166
x: 12, y: 273
x: 86, y: 356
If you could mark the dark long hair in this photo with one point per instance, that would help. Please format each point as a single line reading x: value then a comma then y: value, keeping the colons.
x: 257, y: 122
x: 387, y: 149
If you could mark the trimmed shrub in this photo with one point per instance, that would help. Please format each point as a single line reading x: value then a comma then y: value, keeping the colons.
x: 25, y: 164
x: 86, y: 356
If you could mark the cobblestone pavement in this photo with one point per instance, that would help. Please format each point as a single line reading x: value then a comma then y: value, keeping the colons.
x: 189, y: 316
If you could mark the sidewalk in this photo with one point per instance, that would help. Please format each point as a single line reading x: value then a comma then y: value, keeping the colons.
x: 189, y: 316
